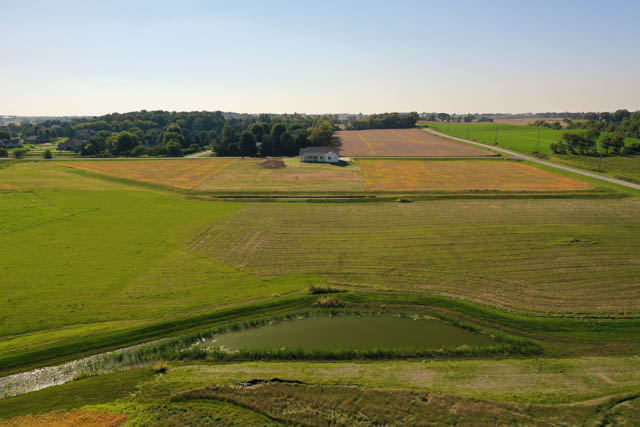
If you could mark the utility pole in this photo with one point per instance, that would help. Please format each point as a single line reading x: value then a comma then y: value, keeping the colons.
x: 538, y: 148
x: 495, y: 140
x: 468, y: 130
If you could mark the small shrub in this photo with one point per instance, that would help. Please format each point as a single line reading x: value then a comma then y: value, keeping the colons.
x: 404, y: 200
x: 138, y: 151
x: 4, y: 152
x: 328, y: 301
x: 47, y: 154
x: 323, y: 289
x: 19, y: 154
x: 160, y: 368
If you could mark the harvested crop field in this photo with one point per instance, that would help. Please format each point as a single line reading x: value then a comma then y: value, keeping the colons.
x: 417, y: 175
x: 402, y: 143
x: 547, y: 256
x: 185, y: 174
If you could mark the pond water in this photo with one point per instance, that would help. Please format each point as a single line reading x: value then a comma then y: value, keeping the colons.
x: 351, y: 332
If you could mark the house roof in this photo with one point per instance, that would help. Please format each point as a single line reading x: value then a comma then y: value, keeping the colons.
x: 318, y: 150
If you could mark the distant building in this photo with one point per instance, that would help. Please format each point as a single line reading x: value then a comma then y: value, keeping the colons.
x: 8, y: 143
x: 73, y: 144
x: 319, y: 154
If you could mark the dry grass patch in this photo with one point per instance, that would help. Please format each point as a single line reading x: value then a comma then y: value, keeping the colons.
x: 391, y: 175
x: 402, y: 143
x: 185, y: 174
x: 79, y: 417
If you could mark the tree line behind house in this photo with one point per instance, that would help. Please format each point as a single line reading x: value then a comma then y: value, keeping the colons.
x: 163, y: 133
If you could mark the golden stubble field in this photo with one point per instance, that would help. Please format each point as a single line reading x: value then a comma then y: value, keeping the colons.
x: 247, y: 176
x: 402, y: 143
x: 468, y: 175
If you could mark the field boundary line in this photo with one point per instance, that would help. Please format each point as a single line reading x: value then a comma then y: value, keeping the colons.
x: 535, y: 160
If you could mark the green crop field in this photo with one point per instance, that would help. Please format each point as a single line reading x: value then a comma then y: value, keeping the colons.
x: 525, y: 139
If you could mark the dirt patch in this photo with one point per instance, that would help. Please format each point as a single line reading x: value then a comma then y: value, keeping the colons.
x: 402, y: 143
x: 272, y: 164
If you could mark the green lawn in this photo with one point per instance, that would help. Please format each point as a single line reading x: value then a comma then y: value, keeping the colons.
x: 525, y: 140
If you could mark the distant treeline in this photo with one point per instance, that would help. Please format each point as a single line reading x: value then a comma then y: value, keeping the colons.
x: 167, y: 133
x: 384, y: 121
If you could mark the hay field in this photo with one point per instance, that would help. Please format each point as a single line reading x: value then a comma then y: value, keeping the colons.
x: 402, y: 143
x: 248, y: 175
x: 546, y: 256
x: 185, y: 174
x: 222, y: 174
x: 416, y: 175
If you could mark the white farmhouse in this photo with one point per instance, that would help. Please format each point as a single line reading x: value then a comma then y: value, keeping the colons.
x: 319, y: 154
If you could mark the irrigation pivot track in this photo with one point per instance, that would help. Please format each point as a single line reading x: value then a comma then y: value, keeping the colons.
x: 535, y: 160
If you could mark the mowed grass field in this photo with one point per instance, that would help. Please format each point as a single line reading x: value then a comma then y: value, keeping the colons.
x: 545, y: 256
x: 86, y: 256
x: 402, y: 143
x: 525, y: 139
x: 392, y: 175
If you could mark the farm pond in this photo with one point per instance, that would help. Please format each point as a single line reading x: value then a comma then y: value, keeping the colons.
x: 350, y: 332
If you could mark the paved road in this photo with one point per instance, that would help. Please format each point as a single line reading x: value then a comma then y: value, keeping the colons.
x: 536, y: 160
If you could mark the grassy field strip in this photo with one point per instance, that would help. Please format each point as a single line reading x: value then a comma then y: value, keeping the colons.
x: 21, y: 361
x: 548, y: 381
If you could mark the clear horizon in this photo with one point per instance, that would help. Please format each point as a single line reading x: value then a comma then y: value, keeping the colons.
x: 88, y: 58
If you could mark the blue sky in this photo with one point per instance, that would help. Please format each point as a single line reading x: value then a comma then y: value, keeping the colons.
x: 85, y: 57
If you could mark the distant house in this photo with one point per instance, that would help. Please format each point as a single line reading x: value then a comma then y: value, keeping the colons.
x: 8, y: 143
x: 319, y: 154
x: 73, y: 144
x: 34, y: 140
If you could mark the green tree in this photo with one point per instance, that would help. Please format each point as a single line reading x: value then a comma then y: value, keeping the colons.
x: 47, y: 154
x: 138, y: 151
x: 4, y: 152
x: 321, y: 134
x: 173, y: 150
x: 19, y: 154
x: 122, y: 143
x: 248, y: 144
x: 173, y: 133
